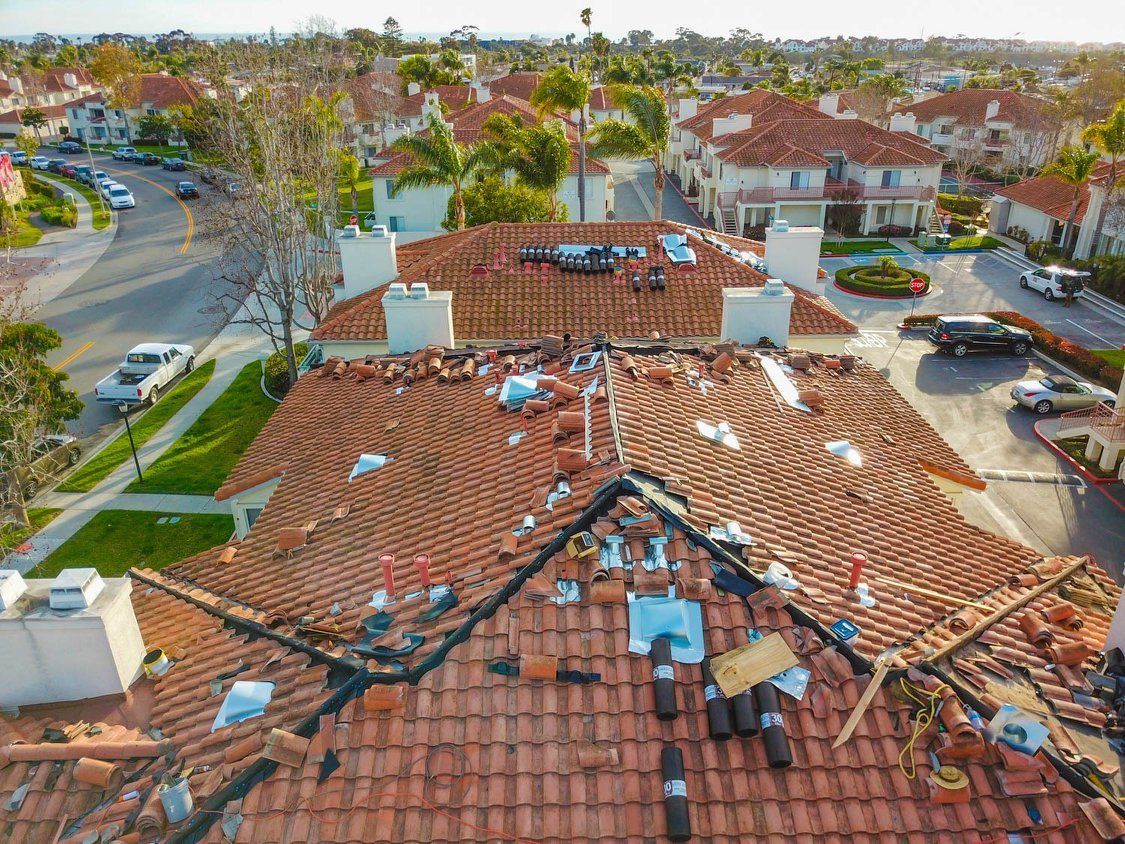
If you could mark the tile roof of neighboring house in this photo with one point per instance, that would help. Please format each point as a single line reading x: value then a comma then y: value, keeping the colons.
x: 52, y: 112
x: 400, y: 161
x: 798, y: 143
x: 968, y: 107
x: 583, y: 305
x: 163, y: 90
x: 454, y: 96
x: 765, y: 106
x: 372, y: 100
x: 1052, y: 195
x: 95, y: 97
x: 180, y: 707
x: 54, y: 79
x: 600, y: 100
x: 516, y: 84
x: 469, y: 751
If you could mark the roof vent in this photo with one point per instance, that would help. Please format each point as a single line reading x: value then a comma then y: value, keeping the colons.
x: 781, y: 225
x: 350, y: 231
x: 12, y: 587
x: 419, y: 290
x: 76, y: 589
x: 720, y: 433
x: 396, y: 290
x: 774, y: 287
x: 379, y: 231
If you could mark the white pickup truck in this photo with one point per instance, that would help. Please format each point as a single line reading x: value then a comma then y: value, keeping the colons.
x: 145, y: 372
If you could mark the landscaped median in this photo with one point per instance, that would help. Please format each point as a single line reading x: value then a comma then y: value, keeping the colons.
x: 884, y: 282
x: 1081, y: 360
x: 95, y: 470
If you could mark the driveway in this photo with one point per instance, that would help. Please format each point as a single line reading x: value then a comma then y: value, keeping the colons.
x: 969, y: 283
x: 633, y: 195
x: 1033, y: 496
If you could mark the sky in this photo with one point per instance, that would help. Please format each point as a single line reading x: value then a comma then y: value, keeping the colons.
x: 1100, y: 20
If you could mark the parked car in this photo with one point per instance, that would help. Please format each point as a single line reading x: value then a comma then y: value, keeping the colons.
x: 82, y: 173
x: 70, y: 147
x: 124, y: 153
x: 1060, y: 392
x: 55, y: 165
x: 119, y: 197
x: 145, y: 372
x: 104, y: 185
x: 68, y: 170
x: 1053, y: 281
x: 148, y: 159
x: 51, y: 454
x: 962, y: 333
x: 187, y: 190
x: 208, y: 175
x: 173, y: 163
x: 19, y: 156
x: 39, y: 162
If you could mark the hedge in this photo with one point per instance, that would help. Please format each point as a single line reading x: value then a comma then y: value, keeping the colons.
x: 1080, y: 359
x: 277, y: 370
x: 968, y: 206
x: 867, y: 279
x: 60, y: 215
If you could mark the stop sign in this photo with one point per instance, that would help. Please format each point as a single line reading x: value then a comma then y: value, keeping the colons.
x: 917, y: 285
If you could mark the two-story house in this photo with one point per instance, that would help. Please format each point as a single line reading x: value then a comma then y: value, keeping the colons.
x: 747, y: 164
x: 48, y: 91
x: 421, y: 210
x: 92, y: 119
x: 1003, y: 129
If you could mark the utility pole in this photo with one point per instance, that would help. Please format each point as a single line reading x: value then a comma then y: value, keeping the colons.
x: 124, y: 408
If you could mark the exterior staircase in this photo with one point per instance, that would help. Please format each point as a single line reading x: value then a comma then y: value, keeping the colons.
x: 730, y: 222
x: 935, y: 222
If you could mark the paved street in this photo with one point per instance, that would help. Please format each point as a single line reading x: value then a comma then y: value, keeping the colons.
x: 155, y: 283
x: 633, y: 195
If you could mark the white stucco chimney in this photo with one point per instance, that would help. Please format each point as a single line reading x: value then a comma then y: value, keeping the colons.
x: 731, y: 123
x: 16, y: 84
x: 829, y: 103
x: 793, y: 255
x: 432, y: 105
x: 482, y: 93
x: 992, y: 109
x: 413, y: 88
x: 417, y: 318
x: 848, y: 114
x: 688, y: 108
x: 904, y: 122
x: 53, y: 655
x: 751, y: 313
x: 71, y: 80
x: 368, y: 259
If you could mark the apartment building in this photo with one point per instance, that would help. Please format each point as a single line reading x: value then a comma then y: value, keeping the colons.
x: 53, y: 87
x: 92, y: 119
x: 748, y: 160
x: 1005, y: 129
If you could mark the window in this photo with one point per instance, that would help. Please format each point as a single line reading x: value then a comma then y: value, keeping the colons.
x: 166, y: 358
x: 996, y: 329
x: 390, y: 188
x: 891, y: 178
x: 799, y: 180
x: 994, y: 135
x: 142, y: 358
x: 252, y: 514
x: 881, y: 215
x: 150, y: 111
x: 396, y: 224
x: 175, y: 353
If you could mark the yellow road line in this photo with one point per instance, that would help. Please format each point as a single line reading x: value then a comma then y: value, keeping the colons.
x: 183, y: 205
x: 73, y: 356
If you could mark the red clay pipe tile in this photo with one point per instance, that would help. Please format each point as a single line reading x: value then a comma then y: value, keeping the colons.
x: 445, y: 375
x: 433, y: 366
x: 606, y: 592
x: 387, y: 561
x: 546, y: 382
x: 693, y: 588
x: 1070, y: 653
x: 112, y: 751
x: 422, y: 563
x: 152, y: 820
x: 1105, y: 820
x: 241, y: 749
x: 99, y: 773
x: 859, y: 559
x: 571, y: 459
x: 592, y: 755
x: 533, y: 407
x: 660, y: 373
x: 539, y: 666
x: 847, y: 362
x: 649, y: 583
x: 1023, y: 580
x: 957, y: 722
x: 1035, y: 630
x: 572, y: 422
x: 508, y: 363
x: 629, y: 365
x: 468, y: 370
x: 1059, y: 613
x: 365, y: 371
x: 962, y: 620
x: 508, y: 544
x: 800, y: 362
x: 330, y: 366
x: 290, y: 539
x: 228, y: 554
x: 722, y: 363
x: 811, y: 397
x: 831, y: 363
x: 565, y: 390
x: 384, y: 698
x: 286, y: 748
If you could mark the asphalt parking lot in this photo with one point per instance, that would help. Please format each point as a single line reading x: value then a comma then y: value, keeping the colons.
x: 1033, y: 496
x: 969, y: 283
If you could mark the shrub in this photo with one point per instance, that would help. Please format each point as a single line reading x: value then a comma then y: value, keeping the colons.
x: 863, y: 279
x: 63, y: 214
x: 1043, y: 250
x: 755, y: 232
x: 968, y: 206
x: 1107, y: 275
x: 895, y: 231
x: 277, y: 371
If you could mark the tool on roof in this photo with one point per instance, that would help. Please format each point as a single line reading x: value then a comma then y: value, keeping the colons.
x: 663, y: 679
x: 774, y: 737
x: 675, y: 794
x: 718, y: 713
x: 881, y: 667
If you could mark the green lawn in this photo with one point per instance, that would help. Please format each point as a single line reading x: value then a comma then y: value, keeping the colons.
x: 13, y: 535
x: 200, y: 460
x: 101, y: 216
x: 116, y: 540
x: 94, y: 470
x: 977, y: 242
x: 854, y: 247
x: 1076, y: 448
x: 24, y: 233
x: 153, y: 148
x: 365, y: 198
x: 1113, y: 356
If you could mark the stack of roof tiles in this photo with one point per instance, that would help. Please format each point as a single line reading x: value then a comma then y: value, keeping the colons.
x: 438, y: 736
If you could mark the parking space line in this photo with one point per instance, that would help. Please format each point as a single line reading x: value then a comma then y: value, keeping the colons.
x: 1091, y: 333
x: 73, y: 356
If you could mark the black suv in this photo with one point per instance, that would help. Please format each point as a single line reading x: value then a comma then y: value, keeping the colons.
x: 70, y: 147
x: 975, y: 333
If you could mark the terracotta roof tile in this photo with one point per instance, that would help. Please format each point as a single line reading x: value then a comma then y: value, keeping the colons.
x: 163, y: 90
x: 520, y: 85
x: 582, y: 305
x: 800, y: 143
x: 1052, y: 195
x: 764, y: 106
x: 968, y: 107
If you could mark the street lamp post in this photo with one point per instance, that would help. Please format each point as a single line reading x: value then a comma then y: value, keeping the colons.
x: 124, y: 408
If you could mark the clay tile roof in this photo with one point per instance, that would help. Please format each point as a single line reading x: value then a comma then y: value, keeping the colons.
x: 969, y: 105
x: 600, y: 99
x: 454, y: 96
x: 163, y: 90
x: 764, y: 106
x: 1052, y: 195
x: 805, y: 142
x: 54, y: 79
x: 50, y: 111
x: 374, y: 100
x: 691, y: 306
x: 519, y: 85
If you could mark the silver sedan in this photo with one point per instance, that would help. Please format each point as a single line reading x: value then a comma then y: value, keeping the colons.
x: 1059, y: 392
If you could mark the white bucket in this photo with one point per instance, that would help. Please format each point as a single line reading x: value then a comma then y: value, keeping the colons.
x: 176, y: 800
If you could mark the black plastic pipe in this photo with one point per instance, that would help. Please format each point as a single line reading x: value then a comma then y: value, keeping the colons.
x: 663, y: 680
x: 675, y: 794
x: 718, y: 713
x: 778, y: 753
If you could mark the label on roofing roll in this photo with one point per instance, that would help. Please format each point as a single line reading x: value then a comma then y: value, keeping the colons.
x: 675, y: 788
x: 713, y: 692
x: 663, y: 672
x: 771, y: 719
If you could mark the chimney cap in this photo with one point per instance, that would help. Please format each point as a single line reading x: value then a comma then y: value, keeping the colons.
x: 419, y: 290
x: 780, y: 225
x: 75, y: 589
x: 774, y: 287
x: 350, y: 231
x: 396, y: 290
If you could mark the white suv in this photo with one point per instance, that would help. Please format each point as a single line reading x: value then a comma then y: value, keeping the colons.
x: 39, y: 162
x: 1053, y: 281
x: 119, y: 197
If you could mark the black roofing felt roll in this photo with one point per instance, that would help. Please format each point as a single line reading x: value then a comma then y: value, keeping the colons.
x: 745, y: 714
x: 718, y: 712
x: 774, y: 736
x: 664, y: 680
x: 675, y: 794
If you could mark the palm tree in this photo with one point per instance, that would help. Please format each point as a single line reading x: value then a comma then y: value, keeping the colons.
x: 440, y: 160
x: 643, y: 134
x: 539, y: 155
x: 1073, y: 166
x: 1109, y: 138
x: 561, y: 89
x: 351, y: 175
x: 586, y: 16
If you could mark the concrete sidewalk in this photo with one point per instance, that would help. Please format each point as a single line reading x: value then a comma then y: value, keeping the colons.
x: 70, y: 253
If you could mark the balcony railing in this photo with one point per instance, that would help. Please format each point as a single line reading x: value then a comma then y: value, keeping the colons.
x: 1105, y: 421
x: 828, y: 193
x: 692, y: 154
